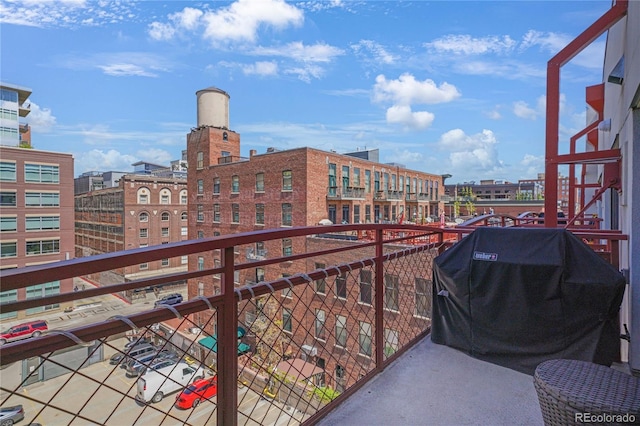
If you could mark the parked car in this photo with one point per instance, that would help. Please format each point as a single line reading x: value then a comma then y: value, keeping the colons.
x: 11, y: 415
x: 196, y: 392
x: 171, y: 299
x: 154, y: 385
x: 23, y: 331
x: 137, y: 351
x: 136, y: 365
x: 158, y: 364
x: 136, y: 341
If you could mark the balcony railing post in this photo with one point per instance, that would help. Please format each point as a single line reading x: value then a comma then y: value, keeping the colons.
x: 228, y: 346
x: 379, y: 310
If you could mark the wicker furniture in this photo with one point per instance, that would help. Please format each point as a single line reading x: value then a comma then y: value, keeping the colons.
x: 574, y: 392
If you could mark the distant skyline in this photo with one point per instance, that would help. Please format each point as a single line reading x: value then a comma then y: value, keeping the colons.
x: 444, y: 87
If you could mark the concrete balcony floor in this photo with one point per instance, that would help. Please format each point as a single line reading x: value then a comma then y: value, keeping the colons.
x: 436, y: 385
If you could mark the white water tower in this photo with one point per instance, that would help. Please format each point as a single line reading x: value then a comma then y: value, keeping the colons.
x: 213, y: 107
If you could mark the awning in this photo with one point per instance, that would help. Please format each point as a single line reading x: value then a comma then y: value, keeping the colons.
x: 298, y: 369
x: 211, y: 342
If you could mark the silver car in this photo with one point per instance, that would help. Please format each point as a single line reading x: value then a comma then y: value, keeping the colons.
x: 11, y: 415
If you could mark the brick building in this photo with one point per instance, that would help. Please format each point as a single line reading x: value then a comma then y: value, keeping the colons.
x: 36, y: 219
x: 229, y: 193
x: 142, y: 210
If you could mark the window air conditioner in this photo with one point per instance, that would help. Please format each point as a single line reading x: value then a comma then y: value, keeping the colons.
x: 310, y: 350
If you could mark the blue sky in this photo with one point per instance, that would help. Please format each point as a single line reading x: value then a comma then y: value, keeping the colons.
x: 452, y: 87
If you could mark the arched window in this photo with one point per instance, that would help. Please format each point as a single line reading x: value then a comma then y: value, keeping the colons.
x: 165, y: 216
x: 165, y: 196
x: 143, y: 195
x: 184, y: 216
x: 183, y: 197
x: 225, y: 136
x: 144, y: 217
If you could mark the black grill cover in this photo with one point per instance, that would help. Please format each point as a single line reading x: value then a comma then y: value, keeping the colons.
x: 517, y: 297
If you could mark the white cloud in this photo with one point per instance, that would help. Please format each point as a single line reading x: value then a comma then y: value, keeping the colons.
x: 122, y: 70
x: 523, y: 110
x: 406, y: 90
x: 406, y: 157
x: 41, y: 120
x: 100, y: 160
x: 380, y: 54
x: 64, y: 13
x: 402, y: 114
x: 591, y: 57
x: 319, y: 52
x: 493, y: 115
x: 161, y: 31
x: 471, y: 153
x: 261, y: 68
x: 464, y: 44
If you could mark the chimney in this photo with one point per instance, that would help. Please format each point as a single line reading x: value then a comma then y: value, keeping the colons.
x: 252, y: 153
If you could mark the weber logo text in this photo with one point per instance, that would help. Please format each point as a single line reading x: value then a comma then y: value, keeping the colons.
x: 491, y: 257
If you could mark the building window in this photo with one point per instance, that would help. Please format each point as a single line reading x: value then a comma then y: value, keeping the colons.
x: 144, y: 217
x: 319, y: 324
x: 200, y: 215
x: 184, y: 260
x: 165, y: 216
x: 183, y: 197
x: 391, y: 292
x: 259, y: 275
x: 6, y: 297
x: 287, y: 248
x: 367, y: 213
x: 225, y: 136
x: 164, y: 232
x: 287, y: 322
x: 356, y: 214
x: 286, y: 180
x: 321, y: 284
x: 9, y: 224
x: 42, y: 247
x: 364, y: 338
x: 41, y: 199
x: 216, y: 186
x: 41, y: 173
x: 165, y: 196
x: 260, y: 214
x: 7, y: 171
x: 199, y: 160
x: 143, y: 196
x: 235, y: 213
x: 356, y: 177
x: 341, y: 286
x: 235, y: 184
x: 216, y: 212
x: 42, y: 223
x: 200, y: 187
x: 341, y: 331
x: 346, y: 215
x: 184, y: 231
x: 391, y: 338
x: 200, y: 263
x: 286, y: 214
x: 423, y: 297
x: 8, y: 249
x: 367, y: 181
x: 8, y: 199
x: 287, y: 292
x: 345, y: 178
x: 333, y: 184
x: 259, y: 182
x: 365, y: 287
x: 200, y: 235
x: 341, y: 378
x: 42, y: 290
x: 164, y: 262
x: 184, y: 216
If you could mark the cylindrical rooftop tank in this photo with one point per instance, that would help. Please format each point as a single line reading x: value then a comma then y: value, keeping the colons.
x: 213, y: 107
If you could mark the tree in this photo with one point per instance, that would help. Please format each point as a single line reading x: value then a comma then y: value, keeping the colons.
x: 271, y: 340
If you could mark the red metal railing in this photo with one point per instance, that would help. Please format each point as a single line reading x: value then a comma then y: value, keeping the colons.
x: 284, y: 350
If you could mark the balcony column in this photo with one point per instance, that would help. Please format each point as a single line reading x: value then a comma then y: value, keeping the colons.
x: 379, y: 299
x: 228, y: 346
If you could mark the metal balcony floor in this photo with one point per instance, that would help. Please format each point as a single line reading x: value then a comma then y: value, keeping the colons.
x: 436, y: 385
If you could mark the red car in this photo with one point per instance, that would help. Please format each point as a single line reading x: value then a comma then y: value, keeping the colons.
x: 196, y: 392
x: 23, y: 331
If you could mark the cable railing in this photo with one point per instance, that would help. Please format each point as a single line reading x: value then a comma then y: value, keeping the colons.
x: 324, y: 318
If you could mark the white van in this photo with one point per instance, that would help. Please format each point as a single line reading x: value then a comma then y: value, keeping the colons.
x: 155, y: 384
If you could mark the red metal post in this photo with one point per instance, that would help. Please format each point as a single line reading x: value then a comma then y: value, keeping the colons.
x: 228, y: 346
x: 379, y: 311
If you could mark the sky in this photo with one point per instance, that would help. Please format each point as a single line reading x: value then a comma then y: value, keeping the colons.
x: 443, y: 87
